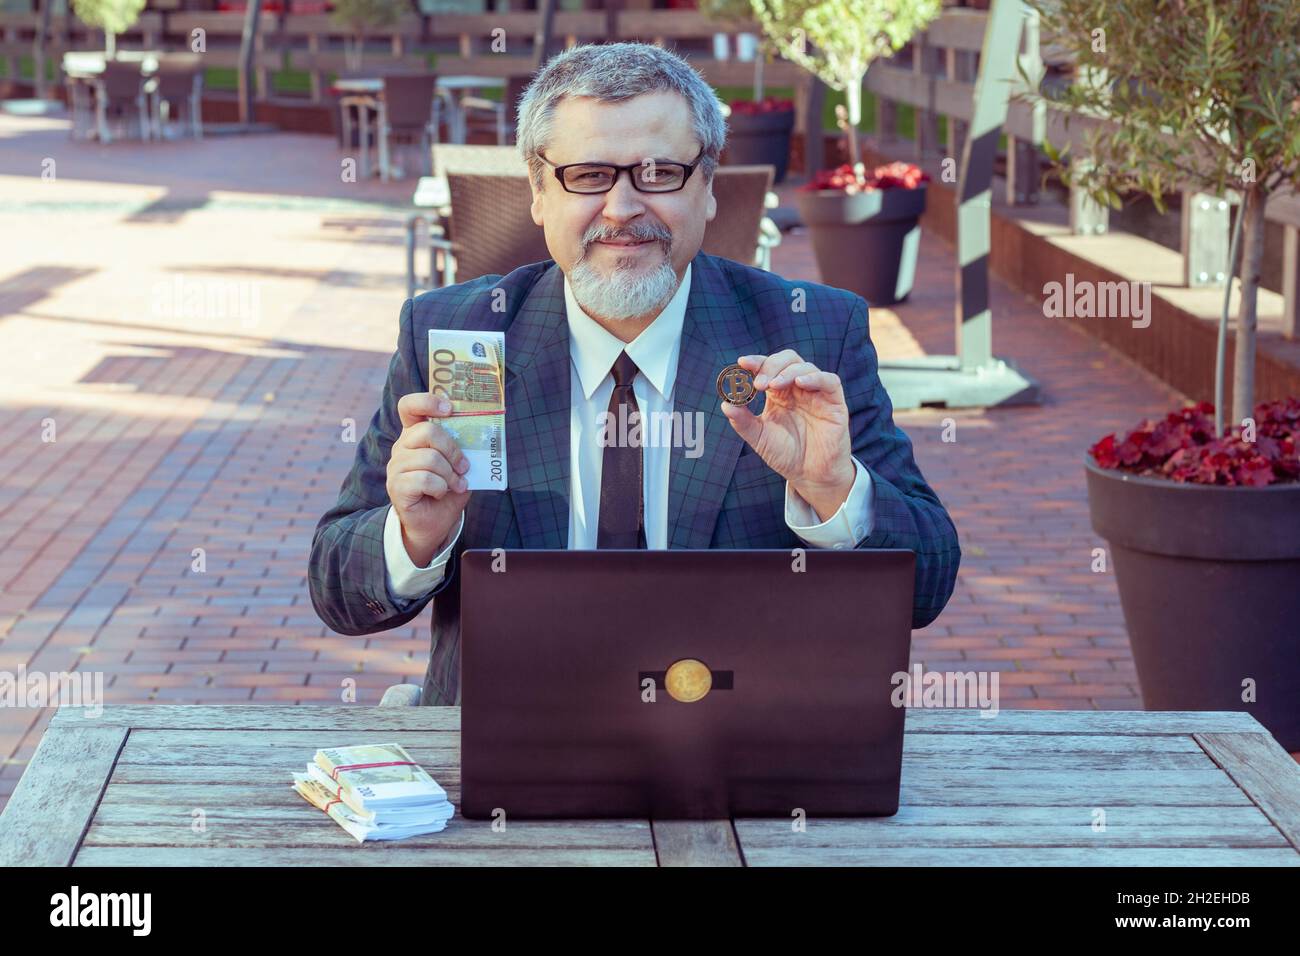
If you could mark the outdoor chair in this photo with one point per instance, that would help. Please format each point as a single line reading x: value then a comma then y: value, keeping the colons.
x: 433, y: 198
x: 81, y: 106
x: 494, y: 231
x: 741, y: 231
x: 498, y: 117
x: 409, y: 112
x: 121, y: 89
x: 178, y: 90
x: 458, y: 158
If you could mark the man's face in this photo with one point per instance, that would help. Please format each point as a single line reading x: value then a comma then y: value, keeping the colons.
x: 623, y: 251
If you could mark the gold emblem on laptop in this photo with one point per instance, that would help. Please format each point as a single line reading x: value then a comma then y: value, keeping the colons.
x: 736, y: 385
x: 688, y: 680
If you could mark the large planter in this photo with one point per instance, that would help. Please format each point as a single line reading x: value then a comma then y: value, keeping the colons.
x: 1209, y: 580
x: 758, y: 138
x: 866, y: 242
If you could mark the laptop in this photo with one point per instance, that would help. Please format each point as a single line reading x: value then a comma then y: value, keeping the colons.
x: 682, y: 684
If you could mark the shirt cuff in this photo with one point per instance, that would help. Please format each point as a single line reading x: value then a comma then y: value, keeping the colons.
x: 407, y: 582
x: 844, y: 529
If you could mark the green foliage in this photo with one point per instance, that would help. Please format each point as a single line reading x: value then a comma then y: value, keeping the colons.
x: 111, y: 16
x: 727, y: 10
x: 361, y: 16
x: 1204, y: 92
x: 837, y: 40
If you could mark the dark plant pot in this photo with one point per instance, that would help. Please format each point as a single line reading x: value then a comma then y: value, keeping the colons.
x: 866, y: 242
x: 1209, y: 579
x: 754, y: 139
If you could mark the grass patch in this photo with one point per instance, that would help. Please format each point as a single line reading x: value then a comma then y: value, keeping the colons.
x: 220, y: 78
x: 27, y: 68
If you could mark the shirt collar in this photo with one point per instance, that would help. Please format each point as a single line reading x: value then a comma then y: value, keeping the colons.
x: 655, y: 350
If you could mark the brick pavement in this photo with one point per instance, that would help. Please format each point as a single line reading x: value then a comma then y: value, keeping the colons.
x: 176, y: 432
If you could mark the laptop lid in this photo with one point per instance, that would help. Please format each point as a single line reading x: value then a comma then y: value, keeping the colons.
x: 695, y: 684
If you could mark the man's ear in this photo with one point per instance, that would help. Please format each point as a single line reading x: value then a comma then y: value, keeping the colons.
x: 536, y: 207
x: 710, y: 204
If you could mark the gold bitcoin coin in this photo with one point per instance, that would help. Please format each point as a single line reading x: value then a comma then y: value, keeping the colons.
x: 688, y: 680
x: 736, y: 385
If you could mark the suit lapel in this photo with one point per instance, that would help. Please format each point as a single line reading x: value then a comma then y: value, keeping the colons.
x: 537, y: 414
x: 713, y: 335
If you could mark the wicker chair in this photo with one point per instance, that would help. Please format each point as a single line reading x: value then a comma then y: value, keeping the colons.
x: 494, y: 231
x: 179, y: 84
x: 408, y: 112
x: 740, y: 229
x: 121, y: 88
x: 499, y: 116
x: 433, y: 198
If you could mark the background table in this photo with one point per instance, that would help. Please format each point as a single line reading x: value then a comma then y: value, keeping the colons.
x: 453, y: 89
x: 1023, y: 788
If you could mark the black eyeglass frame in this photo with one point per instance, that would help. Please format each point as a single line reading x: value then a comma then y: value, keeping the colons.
x: 618, y: 170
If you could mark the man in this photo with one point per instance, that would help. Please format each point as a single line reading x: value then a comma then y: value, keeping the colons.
x: 627, y: 317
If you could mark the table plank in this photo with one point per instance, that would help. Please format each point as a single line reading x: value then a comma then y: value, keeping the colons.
x: 309, y: 828
x: 696, y: 843
x: 878, y: 835
x: 370, y: 854
x: 1019, y: 856
x: 43, y: 823
x: 356, y: 719
x: 977, y: 741
x: 1266, y: 772
x: 1091, y: 722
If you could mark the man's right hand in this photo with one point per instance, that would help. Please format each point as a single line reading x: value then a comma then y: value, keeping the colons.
x: 425, y: 477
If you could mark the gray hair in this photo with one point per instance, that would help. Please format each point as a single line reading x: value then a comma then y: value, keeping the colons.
x: 611, y: 73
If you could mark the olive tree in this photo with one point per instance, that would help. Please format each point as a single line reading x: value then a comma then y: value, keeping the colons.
x: 111, y: 16
x: 837, y: 40
x: 1200, y: 94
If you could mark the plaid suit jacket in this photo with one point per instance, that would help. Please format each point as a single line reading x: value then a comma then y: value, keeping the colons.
x: 727, y: 497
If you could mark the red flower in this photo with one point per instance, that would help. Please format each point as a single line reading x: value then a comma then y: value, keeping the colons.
x: 1183, y: 447
x: 769, y: 104
x: 890, y: 176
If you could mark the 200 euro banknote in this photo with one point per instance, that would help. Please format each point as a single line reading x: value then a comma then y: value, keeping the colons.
x: 469, y: 370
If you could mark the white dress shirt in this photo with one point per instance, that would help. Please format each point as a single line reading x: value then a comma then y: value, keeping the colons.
x: 593, y: 351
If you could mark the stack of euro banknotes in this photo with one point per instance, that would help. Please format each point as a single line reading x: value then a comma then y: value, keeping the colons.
x: 375, y: 792
x: 468, y: 369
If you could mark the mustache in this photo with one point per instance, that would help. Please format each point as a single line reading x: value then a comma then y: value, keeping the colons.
x: 651, y: 233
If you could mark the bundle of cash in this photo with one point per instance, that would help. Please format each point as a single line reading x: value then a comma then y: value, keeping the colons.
x: 469, y: 370
x: 375, y: 792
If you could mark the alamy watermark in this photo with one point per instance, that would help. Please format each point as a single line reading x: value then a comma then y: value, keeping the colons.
x: 655, y: 430
x: 1103, y: 300
x: 56, y: 688
x: 922, y: 688
x: 208, y: 299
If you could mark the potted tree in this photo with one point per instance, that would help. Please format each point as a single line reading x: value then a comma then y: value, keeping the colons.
x: 111, y: 16
x: 759, y: 129
x: 864, y: 227
x: 1202, y: 518
x: 361, y: 17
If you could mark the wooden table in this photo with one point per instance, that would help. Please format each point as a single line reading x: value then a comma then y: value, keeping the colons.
x: 81, y: 72
x: 1025, y: 787
x: 453, y: 89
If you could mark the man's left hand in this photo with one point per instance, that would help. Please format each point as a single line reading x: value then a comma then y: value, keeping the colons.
x: 803, y: 433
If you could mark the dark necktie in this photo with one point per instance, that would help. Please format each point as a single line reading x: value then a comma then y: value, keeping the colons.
x: 622, y: 512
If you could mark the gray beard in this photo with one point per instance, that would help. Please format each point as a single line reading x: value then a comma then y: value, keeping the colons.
x: 627, y: 293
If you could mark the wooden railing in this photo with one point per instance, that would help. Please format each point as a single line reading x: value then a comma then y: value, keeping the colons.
x: 935, y: 76
x: 464, y: 42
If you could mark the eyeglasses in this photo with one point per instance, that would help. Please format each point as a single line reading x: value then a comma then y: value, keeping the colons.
x: 651, y: 176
